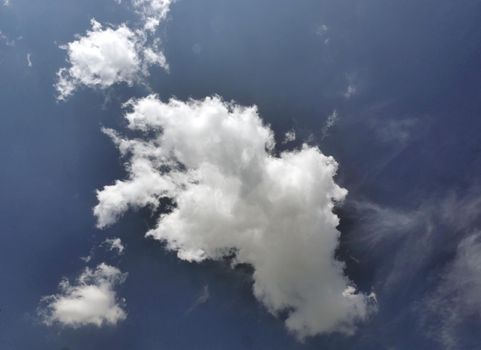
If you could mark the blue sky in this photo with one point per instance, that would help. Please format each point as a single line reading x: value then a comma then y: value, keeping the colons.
x: 390, y: 90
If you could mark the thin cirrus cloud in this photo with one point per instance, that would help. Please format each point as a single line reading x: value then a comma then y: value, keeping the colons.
x: 430, y: 232
x: 91, y: 300
x: 456, y: 298
x: 233, y: 196
x: 108, y: 55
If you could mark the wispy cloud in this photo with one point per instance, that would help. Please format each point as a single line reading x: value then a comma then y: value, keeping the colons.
x: 330, y: 122
x: 201, y: 299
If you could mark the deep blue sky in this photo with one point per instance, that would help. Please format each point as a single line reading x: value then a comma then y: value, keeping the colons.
x: 408, y: 139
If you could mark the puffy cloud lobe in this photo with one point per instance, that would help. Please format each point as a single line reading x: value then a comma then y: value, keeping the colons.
x: 107, y: 56
x: 92, y: 300
x: 232, y: 194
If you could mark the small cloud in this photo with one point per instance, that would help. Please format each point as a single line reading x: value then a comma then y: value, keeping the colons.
x: 6, y: 2
x: 201, y: 299
x: 290, y: 136
x: 322, y: 30
x: 352, y: 88
x: 106, y: 56
x: 91, y: 300
x: 86, y: 259
x: 115, y: 244
x: 350, y: 91
x: 110, y: 55
x: 6, y: 40
x: 29, y: 60
x: 153, y: 12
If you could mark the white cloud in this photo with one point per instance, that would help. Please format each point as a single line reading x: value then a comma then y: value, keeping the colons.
x: 91, y: 300
x: 6, y: 2
x: 29, y: 60
x: 352, y: 88
x: 233, y: 195
x: 322, y: 31
x: 290, y: 136
x: 115, y: 244
x: 350, y: 91
x: 6, y: 40
x: 105, y: 56
x: 152, y: 12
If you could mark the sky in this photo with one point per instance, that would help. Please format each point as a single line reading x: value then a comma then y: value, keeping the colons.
x: 184, y: 174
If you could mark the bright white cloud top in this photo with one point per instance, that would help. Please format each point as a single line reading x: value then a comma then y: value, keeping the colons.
x: 91, y: 300
x: 233, y: 195
x: 105, y: 56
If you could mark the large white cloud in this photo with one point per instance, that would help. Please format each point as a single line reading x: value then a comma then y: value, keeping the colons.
x: 91, y: 300
x: 105, y: 56
x: 234, y: 195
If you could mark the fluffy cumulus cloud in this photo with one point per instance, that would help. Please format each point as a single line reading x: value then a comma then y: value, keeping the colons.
x: 91, y: 300
x: 232, y: 195
x: 105, y: 56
